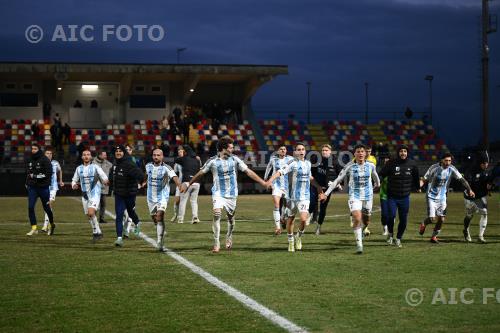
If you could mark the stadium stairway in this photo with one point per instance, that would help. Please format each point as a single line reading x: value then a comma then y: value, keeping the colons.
x: 318, y: 135
x: 377, y: 134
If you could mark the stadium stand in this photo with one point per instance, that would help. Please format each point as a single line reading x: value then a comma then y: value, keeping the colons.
x: 285, y: 132
x: 16, y: 138
x: 242, y: 134
x: 421, y: 138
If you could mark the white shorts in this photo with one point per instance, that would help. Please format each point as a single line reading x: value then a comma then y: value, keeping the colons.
x: 177, y: 192
x: 292, y: 207
x: 229, y: 204
x: 159, y: 206
x: 476, y: 206
x: 92, y: 202
x: 436, y: 208
x: 53, y: 194
x: 365, y: 206
x: 278, y: 192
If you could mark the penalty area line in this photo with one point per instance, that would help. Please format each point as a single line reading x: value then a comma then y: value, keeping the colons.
x: 231, y: 291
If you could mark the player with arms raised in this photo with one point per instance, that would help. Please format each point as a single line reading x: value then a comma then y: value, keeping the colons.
x: 224, y: 168
x: 363, y: 179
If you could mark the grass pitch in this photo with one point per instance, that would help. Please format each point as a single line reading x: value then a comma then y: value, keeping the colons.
x: 65, y: 283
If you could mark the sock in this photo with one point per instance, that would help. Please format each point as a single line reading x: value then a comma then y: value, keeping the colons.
x: 160, y: 231
x: 436, y: 232
x: 126, y: 223
x: 96, y: 225
x: 300, y: 233
x: 467, y: 221
x: 216, y: 228
x: 91, y: 221
x: 176, y: 209
x: 33, y: 227
x: 482, y: 225
x: 358, y: 235
x: 230, y: 227
x: 46, y: 221
x: 290, y: 238
x: 277, y: 218
x: 427, y: 221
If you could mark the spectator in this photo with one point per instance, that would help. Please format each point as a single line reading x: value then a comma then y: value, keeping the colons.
x: 77, y: 104
x: 35, y: 128
x: 228, y: 115
x: 57, y: 118
x: 130, y: 151
x: 58, y: 136
x: 184, y: 129
x: 177, y: 114
x: 94, y: 104
x: 66, y: 133
x: 166, y: 149
x: 164, y: 122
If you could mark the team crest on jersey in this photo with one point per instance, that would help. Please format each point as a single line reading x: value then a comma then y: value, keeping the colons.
x: 397, y: 169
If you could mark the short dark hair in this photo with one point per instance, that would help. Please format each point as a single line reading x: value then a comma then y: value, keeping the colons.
x: 299, y: 143
x: 446, y: 154
x: 224, y: 142
x: 49, y: 148
x: 359, y: 146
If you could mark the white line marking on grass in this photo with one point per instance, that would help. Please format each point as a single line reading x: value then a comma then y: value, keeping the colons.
x: 236, y: 294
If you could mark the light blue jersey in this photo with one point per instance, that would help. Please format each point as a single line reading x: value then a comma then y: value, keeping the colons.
x: 90, y: 177
x: 158, y: 179
x: 300, y: 175
x: 439, y: 180
x: 362, y: 179
x: 225, y: 174
x: 275, y: 164
x: 54, y: 184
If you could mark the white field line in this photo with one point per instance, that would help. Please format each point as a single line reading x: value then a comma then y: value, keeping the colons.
x: 236, y: 294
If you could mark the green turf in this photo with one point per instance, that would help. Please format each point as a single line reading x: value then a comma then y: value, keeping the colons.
x: 66, y: 283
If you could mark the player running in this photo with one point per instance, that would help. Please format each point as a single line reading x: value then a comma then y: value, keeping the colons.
x: 481, y: 182
x: 55, y: 182
x: 301, y: 180
x: 280, y: 184
x: 89, y: 178
x: 439, y: 177
x: 158, y: 178
x: 363, y: 179
x: 224, y: 168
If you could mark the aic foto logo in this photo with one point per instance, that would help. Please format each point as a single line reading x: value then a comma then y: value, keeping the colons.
x: 90, y: 33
